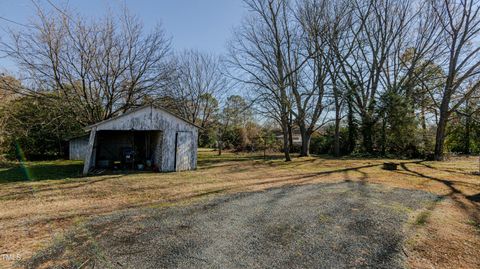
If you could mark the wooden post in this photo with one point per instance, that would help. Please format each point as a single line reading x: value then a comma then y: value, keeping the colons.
x: 89, y: 154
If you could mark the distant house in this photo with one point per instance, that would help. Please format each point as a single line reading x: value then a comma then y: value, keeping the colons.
x: 146, y: 137
x: 296, y: 137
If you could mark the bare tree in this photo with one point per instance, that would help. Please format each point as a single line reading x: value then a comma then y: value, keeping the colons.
x: 100, y: 67
x: 381, y: 24
x: 368, y: 39
x: 409, y: 74
x: 198, y: 86
x: 309, y: 65
x: 327, y: 25
x: 460, y: 23
x: 259, y: 53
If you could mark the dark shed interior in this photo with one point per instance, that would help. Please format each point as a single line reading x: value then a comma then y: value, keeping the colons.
x: 128, y: 149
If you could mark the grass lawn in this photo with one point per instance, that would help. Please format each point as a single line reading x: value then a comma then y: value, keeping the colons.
x: 34, y: 171
x: 40, y: 207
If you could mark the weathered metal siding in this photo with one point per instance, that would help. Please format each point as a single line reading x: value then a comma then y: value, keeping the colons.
x: 168, y: 150
x: 78, y: 148
x: 90, y: 154
x: 146, y: 119
x: 157, y: 140
x: 153, y: 119
x: 171, y: 126
x: 184, y: 148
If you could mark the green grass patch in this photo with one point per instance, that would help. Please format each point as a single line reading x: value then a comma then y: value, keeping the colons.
x: 209, y: 157
x: 422, y: 218
x: 322, y: 218
x: 44, y: 170
x: 475, y: 225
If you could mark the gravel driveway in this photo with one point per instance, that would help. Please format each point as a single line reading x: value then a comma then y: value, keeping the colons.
x: 314, y: 226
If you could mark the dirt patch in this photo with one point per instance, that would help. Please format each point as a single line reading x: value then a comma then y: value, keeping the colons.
x: 442, y: 233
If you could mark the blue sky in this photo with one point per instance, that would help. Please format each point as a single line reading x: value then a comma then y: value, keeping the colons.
x: 205, y: 25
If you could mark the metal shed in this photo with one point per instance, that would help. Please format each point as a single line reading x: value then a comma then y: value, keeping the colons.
x: 149, y: 136
x: 77, y: 147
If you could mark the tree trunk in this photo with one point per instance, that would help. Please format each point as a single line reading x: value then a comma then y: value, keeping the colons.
x: 290, y: 132
x: 384, y: 135
x: 367, y: 134
x: 468, y: 127
x: 306, y: 137
x: 466, y: 139
x: 424, y: 129
x: 367, y: 139
x: 442, y: 123
x: 286, y: 143
x: 440, y: 135
x: 352, y: 134
x: 306, y: 145
x: 220, y: 145
x: 336, y: 141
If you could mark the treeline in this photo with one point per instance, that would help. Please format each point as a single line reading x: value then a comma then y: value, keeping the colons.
x: 390, y: 77
x: 36, y: 128
x: 394, y: 73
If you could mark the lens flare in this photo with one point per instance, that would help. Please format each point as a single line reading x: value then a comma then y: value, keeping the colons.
x: 21, y: 158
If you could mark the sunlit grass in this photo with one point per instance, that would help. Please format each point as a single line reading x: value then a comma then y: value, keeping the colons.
x: 33, y: 211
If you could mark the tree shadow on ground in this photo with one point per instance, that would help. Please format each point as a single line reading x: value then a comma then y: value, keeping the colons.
x: 116, y: 234
x: 298, y: 179
x: 474, y: 198
x: 57, y: 187
x: 460, y: 198
x: 444, y: 170
x: 468, y: 204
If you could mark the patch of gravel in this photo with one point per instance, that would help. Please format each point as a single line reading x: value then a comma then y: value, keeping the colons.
x: 339, y: 225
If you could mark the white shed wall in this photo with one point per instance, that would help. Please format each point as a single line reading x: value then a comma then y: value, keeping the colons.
x: 78, y: 148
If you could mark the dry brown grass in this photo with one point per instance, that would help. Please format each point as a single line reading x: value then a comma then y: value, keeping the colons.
x: 35, y: 212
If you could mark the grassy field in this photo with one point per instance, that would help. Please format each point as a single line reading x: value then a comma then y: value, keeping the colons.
x: 42, y: 200
x: 34, y: 171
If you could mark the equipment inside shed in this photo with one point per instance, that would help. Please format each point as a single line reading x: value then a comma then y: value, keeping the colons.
x: 128, y: 150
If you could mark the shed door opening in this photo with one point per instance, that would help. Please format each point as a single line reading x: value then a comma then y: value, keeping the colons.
x: 183, y: 152
x: 127, y: 149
